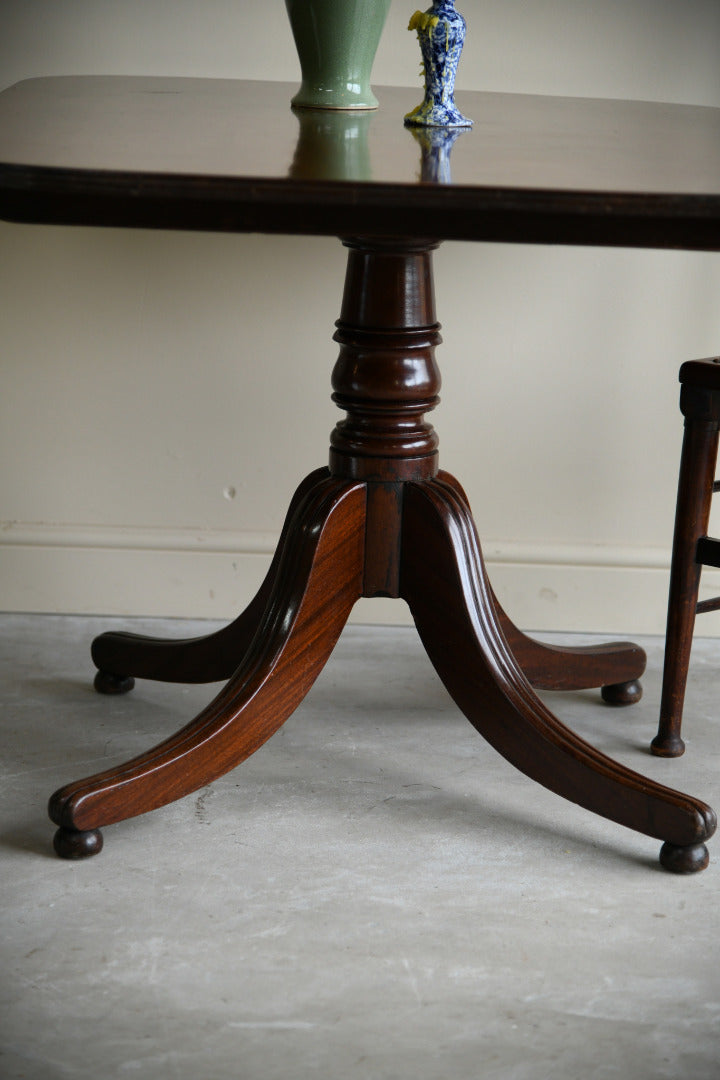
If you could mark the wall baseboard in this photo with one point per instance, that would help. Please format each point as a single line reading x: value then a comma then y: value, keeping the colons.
x: 193, y: 574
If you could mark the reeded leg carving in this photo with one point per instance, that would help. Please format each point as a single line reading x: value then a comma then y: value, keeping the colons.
x: 444, y: 582
x: 318, y: 579
x: 615, y: 666
x: 121, y: 657
x: 377, y: 523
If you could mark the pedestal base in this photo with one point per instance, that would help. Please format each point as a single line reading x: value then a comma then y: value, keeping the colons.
x: 280, y: 644
x: 382, y: 521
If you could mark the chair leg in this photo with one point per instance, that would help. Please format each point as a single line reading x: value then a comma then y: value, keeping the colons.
x: 697, y: 471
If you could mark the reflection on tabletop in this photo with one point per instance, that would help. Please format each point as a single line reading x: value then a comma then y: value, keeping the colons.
x: 336, y: 146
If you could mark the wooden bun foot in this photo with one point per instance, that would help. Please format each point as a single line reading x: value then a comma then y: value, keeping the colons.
x: 684, y: 860
x: 626, y: 693
x: 380, y: 521
x: 74, y: 844
x: 669, y: 746
x: 107, y: 683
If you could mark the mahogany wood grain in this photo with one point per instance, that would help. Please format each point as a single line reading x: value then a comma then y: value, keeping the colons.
x: 614, y: 666
x: 445, y: 584
x: 386, y: 377
x: 231, y: 156
x: 319, y: 578
x: 122, y: 657
x: 381, y: 521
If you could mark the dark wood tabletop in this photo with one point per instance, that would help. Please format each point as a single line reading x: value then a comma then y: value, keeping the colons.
x: 382, y: 519
x: 231, y: 155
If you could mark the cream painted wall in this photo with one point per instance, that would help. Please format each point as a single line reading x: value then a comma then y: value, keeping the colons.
x: 161, y: 394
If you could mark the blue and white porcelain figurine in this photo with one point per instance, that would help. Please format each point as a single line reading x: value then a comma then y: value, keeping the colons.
x: 441, y: 33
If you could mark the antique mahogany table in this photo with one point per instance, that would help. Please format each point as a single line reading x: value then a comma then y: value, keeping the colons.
x: 381, y: 520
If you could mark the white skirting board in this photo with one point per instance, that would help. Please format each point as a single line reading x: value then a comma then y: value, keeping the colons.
x: 191, y: 574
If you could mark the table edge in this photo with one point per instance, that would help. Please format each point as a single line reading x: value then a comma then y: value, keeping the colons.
x: 67, y: 196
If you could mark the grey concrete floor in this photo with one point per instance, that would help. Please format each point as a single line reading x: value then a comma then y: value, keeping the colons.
x: 374, y: 894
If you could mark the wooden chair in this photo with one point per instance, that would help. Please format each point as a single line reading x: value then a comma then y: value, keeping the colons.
x: 692, y: 547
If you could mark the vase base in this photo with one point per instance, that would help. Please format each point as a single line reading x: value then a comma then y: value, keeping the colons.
x: 430, y: 114
x: 338, y: 100
x: 332, y: 108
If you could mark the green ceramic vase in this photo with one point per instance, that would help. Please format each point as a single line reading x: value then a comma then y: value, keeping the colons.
x: 336, y: 42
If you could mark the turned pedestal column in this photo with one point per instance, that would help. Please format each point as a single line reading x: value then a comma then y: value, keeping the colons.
x: 381, y: 521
